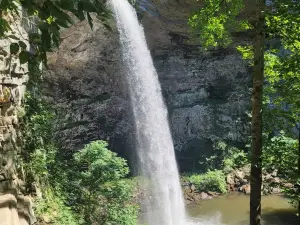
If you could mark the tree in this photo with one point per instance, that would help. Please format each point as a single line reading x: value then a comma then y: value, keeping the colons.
x: 103, y: 195
x: 216, y: 20
x: 257, y: 97
x: 49, y: 16
x: 216, y: 32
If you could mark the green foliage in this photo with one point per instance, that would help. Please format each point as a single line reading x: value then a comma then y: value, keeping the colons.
x: 281, y: 110
x: 100, y: 163
x: 102, y: 195
x: 52, y: 209
x: 281, y: 152
x: 49, y: 17
x: 216, y: 20
x: 210, y: 181
x: 90, y: 188
x: 226, y: 158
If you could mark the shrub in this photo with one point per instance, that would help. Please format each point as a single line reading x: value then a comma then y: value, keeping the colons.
x: 225, y: 158
x: 210, y: 181
x: 52, y: 209
x: 281, y: 153
x: 103, y: 196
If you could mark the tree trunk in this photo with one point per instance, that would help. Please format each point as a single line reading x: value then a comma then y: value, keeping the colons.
x: 298, y: 172
x: 258, y: 78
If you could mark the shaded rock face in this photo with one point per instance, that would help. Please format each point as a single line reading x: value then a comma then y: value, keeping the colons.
x: 15, y: 208
x: 207, y: 97
x: 206, y: 93
x: 86, y: 85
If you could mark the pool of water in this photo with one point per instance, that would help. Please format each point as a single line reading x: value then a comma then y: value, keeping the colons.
x: 233, y: 209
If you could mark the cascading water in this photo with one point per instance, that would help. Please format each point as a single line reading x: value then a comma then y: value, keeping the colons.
x: 164, y: 202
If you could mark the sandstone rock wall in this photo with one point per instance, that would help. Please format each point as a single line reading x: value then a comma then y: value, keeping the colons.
x: 14, y: 208
x: 207, y: 94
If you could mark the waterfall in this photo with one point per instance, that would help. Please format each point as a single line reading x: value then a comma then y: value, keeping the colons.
x: 164, y: 204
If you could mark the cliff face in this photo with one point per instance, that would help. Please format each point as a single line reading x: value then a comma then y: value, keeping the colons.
x: 206, y: 93
x: 15, y: 208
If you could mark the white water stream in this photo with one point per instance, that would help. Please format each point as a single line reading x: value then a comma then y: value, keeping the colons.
x: 164, y: 204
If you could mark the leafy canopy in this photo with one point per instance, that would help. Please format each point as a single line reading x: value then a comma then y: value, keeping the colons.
x: 104, y: 196
x: 49, y: 16
x: 216, y: 20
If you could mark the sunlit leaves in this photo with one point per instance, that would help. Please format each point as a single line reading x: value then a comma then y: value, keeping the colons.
x: 247, y: 52
x: 104, y: 192
x: 51, y: 16
x: 215, y: 20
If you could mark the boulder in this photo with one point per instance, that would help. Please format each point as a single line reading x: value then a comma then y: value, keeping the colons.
x: 240, y: 175
x: 275, y: 173
x: 288, y: 185
x: 275, y: 190
x: 230, y: 179
x: 245, y: 189
x: 275, y: 180
x: 204, y: 195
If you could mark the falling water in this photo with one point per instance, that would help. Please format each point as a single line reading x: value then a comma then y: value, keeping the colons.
x: 164, y: 203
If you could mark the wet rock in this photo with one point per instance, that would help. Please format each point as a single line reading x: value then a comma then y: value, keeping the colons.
x: 267, y: 177
x: 288, y: 185
x: 275, y: 173
x: 275, y: 180
x: 204, y: 195
x: 240, y: 175
x: 275, y: 190
x: 245, y: 181
x: 230, y: 179
x: 245, y: 189
x: 192, y: 187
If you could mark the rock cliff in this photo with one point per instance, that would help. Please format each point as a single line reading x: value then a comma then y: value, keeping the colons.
x: 15, y: 208
x: 207, y: 93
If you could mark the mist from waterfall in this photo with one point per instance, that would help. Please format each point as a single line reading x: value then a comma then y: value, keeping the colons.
x: 164, y: 204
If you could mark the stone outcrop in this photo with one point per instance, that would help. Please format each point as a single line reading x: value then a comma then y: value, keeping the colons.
x: 239, y: 180
x: 15, y: 209
x: 207, y: 93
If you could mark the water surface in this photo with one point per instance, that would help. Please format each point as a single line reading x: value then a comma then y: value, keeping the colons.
x: 234, y: 210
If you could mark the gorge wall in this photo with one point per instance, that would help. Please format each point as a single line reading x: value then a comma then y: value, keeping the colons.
x: 15, y: 204
x: 207, y: 93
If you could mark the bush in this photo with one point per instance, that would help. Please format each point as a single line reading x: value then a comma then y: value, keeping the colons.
x: 52, y: 209
x: 281, y: 153
x: 210, y: 181
x: 225, y: 158
x: 102, y: 194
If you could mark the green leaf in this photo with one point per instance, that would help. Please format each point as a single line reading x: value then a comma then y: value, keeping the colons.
x: 24, y: 57
x: 62, y: 23
x: 107, y: 26
x: 59, y: 14
x: 66, y: 4
x: 80, y: 14
x: 43, y: 26
x: 22, y: 45
x: 90, y: 20
x: 14, y: 48
x: 46, y: 39
x: 88, y: 6
x: 35, y: 38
